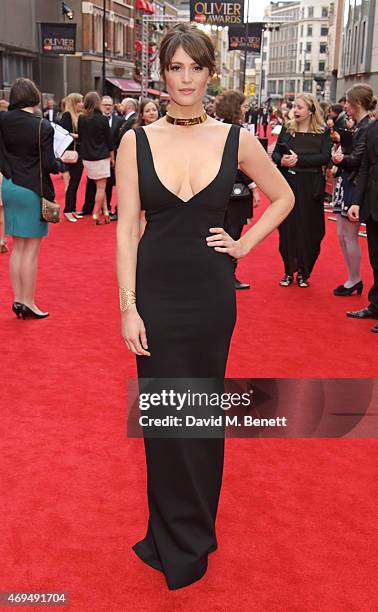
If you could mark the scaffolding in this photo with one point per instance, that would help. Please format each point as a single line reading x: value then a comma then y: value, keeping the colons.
x: 148, y: 20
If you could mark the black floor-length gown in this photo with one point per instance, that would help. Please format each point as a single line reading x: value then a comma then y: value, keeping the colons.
x: 186, y: 298
x: 302, y: 232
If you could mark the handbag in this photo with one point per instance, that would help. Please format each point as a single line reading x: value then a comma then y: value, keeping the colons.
x: 70, y: 156
x: 240, y: 192
x: 50, y: 211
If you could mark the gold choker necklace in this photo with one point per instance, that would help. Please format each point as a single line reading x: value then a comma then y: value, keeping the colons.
x: 192, y: 121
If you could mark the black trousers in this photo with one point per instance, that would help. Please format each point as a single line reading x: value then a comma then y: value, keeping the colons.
x: 372, y: 237
x: 265, y: 126
x: 75, y: 170
x: 90, y: 193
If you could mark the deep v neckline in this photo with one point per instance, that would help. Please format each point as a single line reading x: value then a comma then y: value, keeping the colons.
x: 195, y: 195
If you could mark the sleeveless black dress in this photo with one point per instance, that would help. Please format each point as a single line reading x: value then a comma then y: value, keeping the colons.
x: 186, y: 298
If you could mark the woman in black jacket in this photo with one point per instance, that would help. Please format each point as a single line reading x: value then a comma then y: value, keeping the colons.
x: 365, y: 209
x: 69, y: 121
x: 230, y: 107
x: 21, y: 188
x: 96, y: 147
x: 302, y: 149
x: 360, y: 100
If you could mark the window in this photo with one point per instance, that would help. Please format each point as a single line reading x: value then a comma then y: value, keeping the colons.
x: 324, y: 11
x: 307, y: 85
x: 301, y: 31
x: 299, y: 66
x: 119, y: 38
x: 308, y: 47
x: 310, y: 11
x: 271, y: 87
x: 15, y: 66
x: 307, y: 66
x: 309, y: 30
x: 321, y: 66
x: 323, y: 48
x: 363, y: 40
x: 323, y: 30
x: 280, y: 87
x: 290, y: 87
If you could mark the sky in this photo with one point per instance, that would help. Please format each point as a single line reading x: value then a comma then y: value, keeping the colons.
x: 256, y: 8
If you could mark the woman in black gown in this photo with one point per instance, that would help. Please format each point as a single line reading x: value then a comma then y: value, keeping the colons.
x: 177, y: 291
x: 308, y: 146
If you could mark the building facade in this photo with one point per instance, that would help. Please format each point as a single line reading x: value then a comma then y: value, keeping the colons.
x: 295, y: 52
x: 358, y: 56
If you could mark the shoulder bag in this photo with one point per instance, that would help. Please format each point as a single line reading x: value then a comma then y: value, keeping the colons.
x: 50, y: 211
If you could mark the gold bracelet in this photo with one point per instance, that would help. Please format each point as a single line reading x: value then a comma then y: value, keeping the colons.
x: 126, y: 298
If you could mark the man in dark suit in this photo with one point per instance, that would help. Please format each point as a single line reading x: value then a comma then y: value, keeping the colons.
x: 115, y: 123
x: 251, y: 116
x: 366, y: 209
x: 129, y: 107
x: 50, y: 112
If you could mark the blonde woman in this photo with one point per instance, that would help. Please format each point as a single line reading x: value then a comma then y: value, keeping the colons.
x: 69, y: 121
x: 302, y: 149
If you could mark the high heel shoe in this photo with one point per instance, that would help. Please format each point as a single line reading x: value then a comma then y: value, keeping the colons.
x: 106, y: 218
x: 28, y: 313
x: 17, y: 307
x: 96, y: 220
x: 344, y: 291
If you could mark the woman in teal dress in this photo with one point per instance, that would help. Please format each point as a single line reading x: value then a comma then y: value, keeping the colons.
x: 22, y: 189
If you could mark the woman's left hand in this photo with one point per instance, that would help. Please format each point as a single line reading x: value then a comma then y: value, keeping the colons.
x: 223, y: 243
x: 290, y: 160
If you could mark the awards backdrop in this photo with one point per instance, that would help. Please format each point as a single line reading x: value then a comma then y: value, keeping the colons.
x: 217, y: 13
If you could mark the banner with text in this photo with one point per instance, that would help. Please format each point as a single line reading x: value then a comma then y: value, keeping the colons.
x: 58, y: 38
x: 237, y: 37
x: 230, y: 12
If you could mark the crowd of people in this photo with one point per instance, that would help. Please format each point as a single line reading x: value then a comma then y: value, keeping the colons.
x: 312, y: 137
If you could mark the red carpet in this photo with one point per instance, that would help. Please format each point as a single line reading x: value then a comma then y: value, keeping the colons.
x: 297, y: 522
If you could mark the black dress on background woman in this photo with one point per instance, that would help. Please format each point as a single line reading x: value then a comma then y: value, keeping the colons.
x: 186, y: 298
x: 303, y: 230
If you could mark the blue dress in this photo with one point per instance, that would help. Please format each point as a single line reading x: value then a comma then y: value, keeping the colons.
x: 22, y: 211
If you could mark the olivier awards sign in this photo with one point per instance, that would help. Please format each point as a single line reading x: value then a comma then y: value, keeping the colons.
x: 58, y: 38
x: 246, y: 36
x: 227, y: 12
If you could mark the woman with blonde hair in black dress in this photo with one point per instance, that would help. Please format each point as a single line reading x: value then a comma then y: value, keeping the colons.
x: 177, y: 293
x: 302, y: 149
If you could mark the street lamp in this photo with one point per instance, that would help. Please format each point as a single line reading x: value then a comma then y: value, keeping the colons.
x: 67, y: 11
x: 103, y: 48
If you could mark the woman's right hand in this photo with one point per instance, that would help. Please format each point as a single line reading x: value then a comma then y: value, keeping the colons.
x: 134, y: 331
x: 354, y: 213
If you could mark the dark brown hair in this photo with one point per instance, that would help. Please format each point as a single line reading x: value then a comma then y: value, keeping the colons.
x: 227, y: 106
x: 140, y: 121
x: 337, y: 109
x: 92, y: 103
x: 194, y: 42
x: 362, y: 95
x: 23, y: 93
